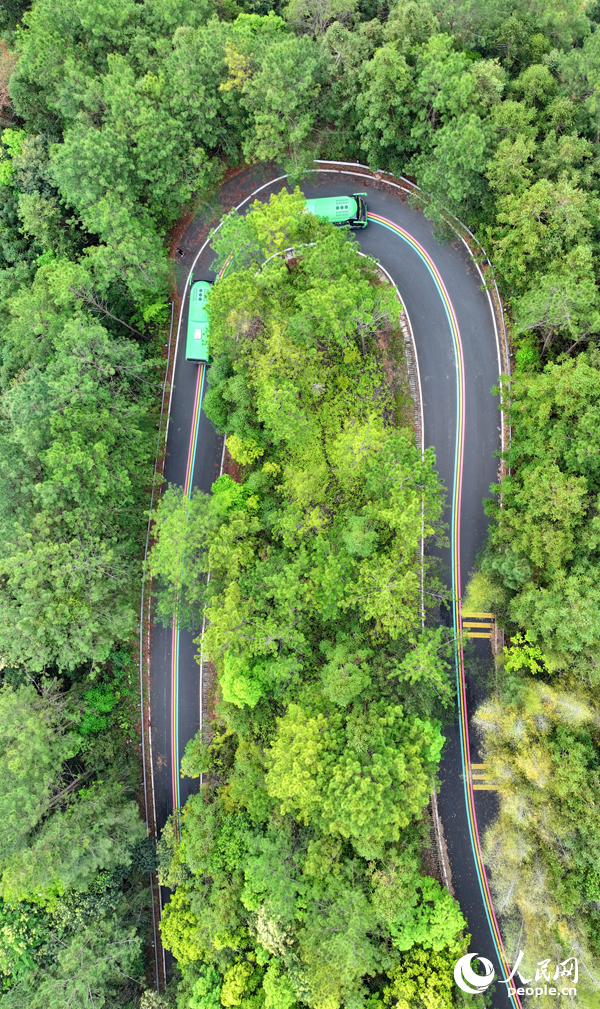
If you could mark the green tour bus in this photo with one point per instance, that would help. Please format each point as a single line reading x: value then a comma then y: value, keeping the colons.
x: 341, y: 210
x: 196, y: 346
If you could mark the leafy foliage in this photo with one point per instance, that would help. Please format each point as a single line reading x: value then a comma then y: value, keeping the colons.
x: 74, y: 452
x: 542, y: 549
x: 72, y: 851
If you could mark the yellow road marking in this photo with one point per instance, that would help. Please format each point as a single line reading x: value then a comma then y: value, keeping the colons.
x: 478, y: 779
x: 475, y: 634
x: 481, y: 616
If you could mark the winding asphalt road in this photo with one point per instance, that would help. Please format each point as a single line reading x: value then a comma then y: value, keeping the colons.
x: 459, y: 362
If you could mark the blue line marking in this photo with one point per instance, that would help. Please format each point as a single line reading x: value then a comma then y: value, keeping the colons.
x: 176, y: 741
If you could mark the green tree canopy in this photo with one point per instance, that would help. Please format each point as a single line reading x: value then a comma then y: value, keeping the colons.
x: 58, y: 827
x: 75, y: 443
x: 543, y: 541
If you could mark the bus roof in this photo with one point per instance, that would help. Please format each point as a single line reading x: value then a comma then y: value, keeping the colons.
x: 334, y: 208
x: 197, y: 343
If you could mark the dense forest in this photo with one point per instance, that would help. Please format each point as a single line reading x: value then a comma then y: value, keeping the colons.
x: 118, y: 117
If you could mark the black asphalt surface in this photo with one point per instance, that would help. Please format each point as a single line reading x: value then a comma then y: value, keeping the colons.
x: 438, y: 379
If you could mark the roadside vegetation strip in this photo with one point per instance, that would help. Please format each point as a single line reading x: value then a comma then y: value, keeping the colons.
x: 412, y: 361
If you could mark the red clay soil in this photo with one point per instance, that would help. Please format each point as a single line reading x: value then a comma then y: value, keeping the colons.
x: 231, y: 467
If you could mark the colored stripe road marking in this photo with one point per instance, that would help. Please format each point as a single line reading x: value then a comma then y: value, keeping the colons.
x: 174, y: 714
x: 194, y: 430
x: 456, y: 578
x: 189, y: 474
